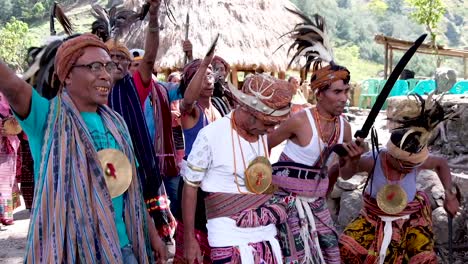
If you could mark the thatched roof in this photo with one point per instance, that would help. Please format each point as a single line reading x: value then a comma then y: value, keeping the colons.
x: 249, y: 32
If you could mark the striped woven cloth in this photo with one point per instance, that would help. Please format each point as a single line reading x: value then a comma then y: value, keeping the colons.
x: 73, y: 219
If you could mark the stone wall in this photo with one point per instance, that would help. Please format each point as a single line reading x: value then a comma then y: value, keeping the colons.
x: 451, y: 138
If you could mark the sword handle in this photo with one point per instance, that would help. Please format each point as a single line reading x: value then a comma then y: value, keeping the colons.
x: 340, y: 150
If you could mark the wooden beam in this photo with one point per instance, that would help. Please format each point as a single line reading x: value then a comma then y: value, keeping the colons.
x: 398, y: 44
x: 386, y: 61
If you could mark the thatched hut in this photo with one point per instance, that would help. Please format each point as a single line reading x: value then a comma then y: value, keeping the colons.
x: 249, y: 30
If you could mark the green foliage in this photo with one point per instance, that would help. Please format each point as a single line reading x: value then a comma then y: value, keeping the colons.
x: 428, y: 13
x: 379, y: 7
x: 14, y: 42
x: 348, y: 56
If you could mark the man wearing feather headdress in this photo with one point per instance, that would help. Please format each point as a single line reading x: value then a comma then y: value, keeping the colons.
x: 395, y: 225
x: 309, y: 235
x: 229, y: 162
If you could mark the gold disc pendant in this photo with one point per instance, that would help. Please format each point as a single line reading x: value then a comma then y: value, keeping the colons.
x: 11, y: 126
x: 258, y: 175
x: 117, y: 171
x: 392, y: 199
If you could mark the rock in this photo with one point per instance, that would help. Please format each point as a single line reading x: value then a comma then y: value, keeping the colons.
x: 352, y: 183
x: 438, y: 194
x: 350, y: 205
x: 440, y: 226
x: 445, y: 78
x: 453, y: 134
x: 461, y: 180
x: 425, y: 180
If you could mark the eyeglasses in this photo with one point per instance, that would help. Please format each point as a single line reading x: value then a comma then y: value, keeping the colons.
x: 97, y: 67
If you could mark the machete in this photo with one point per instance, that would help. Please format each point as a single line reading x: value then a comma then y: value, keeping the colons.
x: 380, y: 101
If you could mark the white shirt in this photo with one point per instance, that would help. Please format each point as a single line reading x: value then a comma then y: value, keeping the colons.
x: 213, y: 151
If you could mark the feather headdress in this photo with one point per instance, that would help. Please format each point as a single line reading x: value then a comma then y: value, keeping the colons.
x: 40, y: 73
x: 115, y: 22
x: 416, y: 131
x: 310, y: 41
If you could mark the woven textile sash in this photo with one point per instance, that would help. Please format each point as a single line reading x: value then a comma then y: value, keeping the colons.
x: 164, y: 140
x: 229, y: 204
x: 124, y: 99
x: 299, y: 179
x: 73, y: 218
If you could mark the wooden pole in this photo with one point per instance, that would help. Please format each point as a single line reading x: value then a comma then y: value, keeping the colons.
x: 282, y: 75
x: 235, y: 82
x: 390, y: 68
x: 386, y: 61
x: 465, y: 71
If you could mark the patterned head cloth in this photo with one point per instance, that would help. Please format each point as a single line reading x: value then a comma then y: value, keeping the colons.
x: 324, y: 77
x: 187, y: 74
x: 218, y: 59
x: 268, y: 98
x: 72, y: 49
x: 113, y: 45
x: 409, y: 141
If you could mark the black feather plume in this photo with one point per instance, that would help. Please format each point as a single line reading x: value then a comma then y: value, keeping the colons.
x: 431, y: 114
x: 63, y: 19
x: 113, y: 23
x: 310, y: 40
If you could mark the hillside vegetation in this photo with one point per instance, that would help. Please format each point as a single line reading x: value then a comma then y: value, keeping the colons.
x: 352, y: 25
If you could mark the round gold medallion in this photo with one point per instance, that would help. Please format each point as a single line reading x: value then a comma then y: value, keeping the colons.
x: 392, y: 199
x: 117, y: 171
x: 258, y: 175
x: 11, y: 126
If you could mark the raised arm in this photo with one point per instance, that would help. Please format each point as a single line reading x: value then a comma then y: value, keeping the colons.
x: 195, y: 86
x: 17, y: 92
x: 151, y: 44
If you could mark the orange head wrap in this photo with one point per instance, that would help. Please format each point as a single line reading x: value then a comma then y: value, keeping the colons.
x: 324, y: 77
x: 72, y: 49
x: 268, y: 97
x: 113, y: 45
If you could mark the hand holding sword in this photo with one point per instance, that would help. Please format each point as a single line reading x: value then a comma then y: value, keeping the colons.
x: 340, y: 149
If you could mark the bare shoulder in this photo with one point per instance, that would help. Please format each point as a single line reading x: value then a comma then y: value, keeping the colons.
x: 347, y: 136
x: 433, y: 162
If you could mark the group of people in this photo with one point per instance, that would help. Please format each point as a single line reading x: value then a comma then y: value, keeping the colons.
x: 121, y: 160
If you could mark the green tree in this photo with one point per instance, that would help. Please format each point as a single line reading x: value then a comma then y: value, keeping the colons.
x: 378, y: 7
x: 5, y: 11
x: 13, y: 43
x: 428, y: 13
